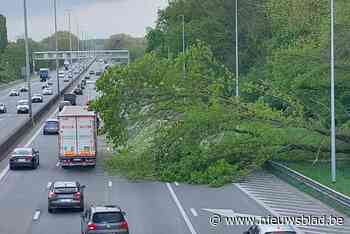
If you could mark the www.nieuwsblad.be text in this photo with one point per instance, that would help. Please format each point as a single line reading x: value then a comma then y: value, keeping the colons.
x: 304, y: 220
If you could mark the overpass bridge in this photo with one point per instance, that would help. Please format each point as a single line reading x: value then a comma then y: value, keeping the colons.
x: 115, y: 56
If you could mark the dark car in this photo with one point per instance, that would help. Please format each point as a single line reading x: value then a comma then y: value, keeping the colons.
x: 71, y: 97
x: 51, y: 127
x: 65, y: 195
x: 23, y: 89
x: 87, y: 77
x: 63, y: 104
x: 45, y: 86
x: 83, y: 84
x: 3, y: 108
x: 37, y: 98
x: 78, y: 91
x: 98, y: 73
x: 24, y: 157
x: 91, y: 72
x: 104, y: 220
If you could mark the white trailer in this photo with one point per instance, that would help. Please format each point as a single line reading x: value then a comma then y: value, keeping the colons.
x: 77, y: 137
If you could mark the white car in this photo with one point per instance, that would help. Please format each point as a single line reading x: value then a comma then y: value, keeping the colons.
x: 47, y: 91
x: 61, y: 75
x: 14, y: 93
x: 22, y: 106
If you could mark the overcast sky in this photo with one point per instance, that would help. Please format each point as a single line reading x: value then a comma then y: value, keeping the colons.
x: 100, y: 18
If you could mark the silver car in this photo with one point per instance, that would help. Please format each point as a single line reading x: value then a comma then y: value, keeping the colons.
x: 47, y: 91
x: 104, y: 220
x: 272, y: 229
x: 22, y: 106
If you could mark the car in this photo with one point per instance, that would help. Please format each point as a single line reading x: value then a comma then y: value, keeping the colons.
x: 61, y: 74
x: 63, y: 104
x: 98, y: 73
x: 47, y: 91
x: 78, y: 91
x: 3, y: 108
x: 23, y: 89
x: 104, y: 220
x: 51, y: 127
x: 45, y: 86
x: 22, y: 106
x: 91, y: 72
x: 65, y: 195
x: 37, y: 98
x: 66, y: 79
x: 70, y: 75
x: 76, y: 72
x: 270, y: 229
x: 49, y: 82
x: 86, y: 77
x: 24, y: 157
x: 14, y: 92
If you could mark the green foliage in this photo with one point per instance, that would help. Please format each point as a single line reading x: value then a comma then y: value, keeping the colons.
x: 3, y: 33
x: 204, y: 135
x: 49, y: 43
x: 136, y: 46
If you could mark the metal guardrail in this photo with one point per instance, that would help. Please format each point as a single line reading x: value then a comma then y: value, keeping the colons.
x: 333, y: 195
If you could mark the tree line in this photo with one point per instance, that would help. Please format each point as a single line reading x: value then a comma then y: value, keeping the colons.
x: 12, y: 53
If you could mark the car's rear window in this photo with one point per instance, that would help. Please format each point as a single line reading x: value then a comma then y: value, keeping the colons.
x: 281, y: 232
x: 108, y: 217
x: 22, y: 152
x: 65, y: 189
x: 52, y: 123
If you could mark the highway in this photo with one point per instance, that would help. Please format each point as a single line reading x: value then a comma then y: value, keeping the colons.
x: 11, y: 120
x: 151, y: 207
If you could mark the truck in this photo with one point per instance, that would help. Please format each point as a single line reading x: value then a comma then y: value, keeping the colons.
x: 77, y: 137
x: 44, y: 74
x: 71, y: 97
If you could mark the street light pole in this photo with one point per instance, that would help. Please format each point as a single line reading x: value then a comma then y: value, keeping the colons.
x: 237, y: 61
x: 27, y: 61
x: 56, y: 48
x: 333, y: 150
x: 70, y: 35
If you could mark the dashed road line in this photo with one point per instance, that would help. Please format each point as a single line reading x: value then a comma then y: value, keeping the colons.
x: 36, y: 215
x: 194, y: 212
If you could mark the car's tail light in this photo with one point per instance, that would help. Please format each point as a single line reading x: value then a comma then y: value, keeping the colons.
x: 52, y: 194
x: 124, y: 225
x: 77, y: 196
x: 91, y: 226
x: 28, y: 158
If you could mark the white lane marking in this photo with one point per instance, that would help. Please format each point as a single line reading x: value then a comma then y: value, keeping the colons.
x: 176, y: 183
x: 181, y: 209
x: 4, y: 172
x: 36, y: 215
x: 110, y: 184
x: 194, y: 212
x: 48, y: 185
